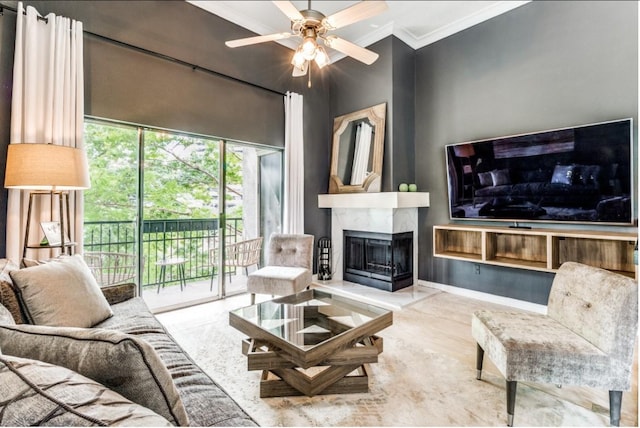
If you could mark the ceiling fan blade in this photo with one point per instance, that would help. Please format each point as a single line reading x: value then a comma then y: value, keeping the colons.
x: 355, y: 13
x: 257, y: 39
x: 289, y: 9
x: 351, y: 49
x: 297, y: 72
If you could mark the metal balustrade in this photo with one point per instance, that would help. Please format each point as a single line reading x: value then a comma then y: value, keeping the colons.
x: 188, y: 239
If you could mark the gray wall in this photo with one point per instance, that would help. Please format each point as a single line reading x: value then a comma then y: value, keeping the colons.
x: 390, y: 79
x: 541, y: 66
x: 125, y: 84
x: 402, y: 118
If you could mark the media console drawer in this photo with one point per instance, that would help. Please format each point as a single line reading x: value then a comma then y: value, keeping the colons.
x: 536, y: 249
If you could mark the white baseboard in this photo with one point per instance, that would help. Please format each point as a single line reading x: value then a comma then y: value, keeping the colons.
x: 486, y: 297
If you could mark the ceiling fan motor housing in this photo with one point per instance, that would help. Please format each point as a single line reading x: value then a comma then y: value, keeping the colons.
x: 312, y: 21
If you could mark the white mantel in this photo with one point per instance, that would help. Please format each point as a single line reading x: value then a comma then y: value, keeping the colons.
x: 384, y: 212
x: 374, y: 200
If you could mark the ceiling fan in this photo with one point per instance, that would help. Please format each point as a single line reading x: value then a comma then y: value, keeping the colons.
x: 311, y: 25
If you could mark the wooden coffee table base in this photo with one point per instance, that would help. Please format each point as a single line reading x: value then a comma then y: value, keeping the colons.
x: 345, y: 372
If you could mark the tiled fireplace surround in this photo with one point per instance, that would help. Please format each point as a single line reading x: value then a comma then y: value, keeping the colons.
x: 384, y: 212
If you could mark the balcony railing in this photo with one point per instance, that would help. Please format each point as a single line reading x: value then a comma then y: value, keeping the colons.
x: 187, y: 239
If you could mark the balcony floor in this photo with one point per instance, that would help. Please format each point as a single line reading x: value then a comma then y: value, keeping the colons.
x: 170, y: 297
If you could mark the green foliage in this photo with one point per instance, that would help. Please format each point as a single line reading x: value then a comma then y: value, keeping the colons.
x: 181, y: 181
x: 112, y: 153
x: 180, y: 174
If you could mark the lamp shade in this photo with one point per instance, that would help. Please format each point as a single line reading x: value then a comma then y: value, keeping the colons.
x: 46, y: 167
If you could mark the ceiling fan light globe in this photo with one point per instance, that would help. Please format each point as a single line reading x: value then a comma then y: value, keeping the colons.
x: 309, y: 47
x: 300, y: 71
x: 298, y: 59
x: 322, y: 59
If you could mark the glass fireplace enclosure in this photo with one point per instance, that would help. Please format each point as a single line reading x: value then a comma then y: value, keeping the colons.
x: 380, y: 260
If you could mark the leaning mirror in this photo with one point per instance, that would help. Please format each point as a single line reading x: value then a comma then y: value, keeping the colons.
x: 358, y: 148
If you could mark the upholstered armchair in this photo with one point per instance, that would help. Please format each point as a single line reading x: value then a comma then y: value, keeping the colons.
x: 587, y: 337
x: 288, y: 269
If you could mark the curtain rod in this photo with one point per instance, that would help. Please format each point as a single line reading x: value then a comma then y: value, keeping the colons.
x: 194, y: 67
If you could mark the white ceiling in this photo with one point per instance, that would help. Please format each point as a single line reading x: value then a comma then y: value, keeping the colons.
x: 417, y: 23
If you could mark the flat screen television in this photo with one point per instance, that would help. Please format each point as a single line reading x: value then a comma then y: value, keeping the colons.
x: 581, y: 174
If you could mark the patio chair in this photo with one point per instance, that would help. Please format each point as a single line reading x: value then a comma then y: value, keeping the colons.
x: 586, y: 338
x: 288, y: 271
x: 111, y: 268
x: 240, y: 254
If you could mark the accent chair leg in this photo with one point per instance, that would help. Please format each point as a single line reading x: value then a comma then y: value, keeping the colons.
x: 479, y: 358
x: 615, y: 407
x: 511, y: 400
x: 253, y: 298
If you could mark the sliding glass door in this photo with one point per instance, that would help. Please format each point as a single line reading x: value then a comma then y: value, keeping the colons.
x: 180, y: 218
x: 192, y: 201
x: 111, y: 204
x: 252, y: 192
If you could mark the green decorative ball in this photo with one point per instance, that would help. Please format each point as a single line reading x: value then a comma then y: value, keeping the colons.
x: 403, y: 187
x: 413, y: 188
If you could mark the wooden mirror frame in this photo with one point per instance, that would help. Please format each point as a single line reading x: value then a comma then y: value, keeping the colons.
x: 375, y: 115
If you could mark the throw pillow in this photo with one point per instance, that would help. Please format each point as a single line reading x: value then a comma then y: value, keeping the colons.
x: 562, y: 174
x: 62, y: 293
x: 485, y: 179
x: 6, y: 317
x: 500, y: 177
x: 122, y: 362
x: 40, y: 394
x: 589, y: 174
x: 8, y: 297
x: 25, y: 263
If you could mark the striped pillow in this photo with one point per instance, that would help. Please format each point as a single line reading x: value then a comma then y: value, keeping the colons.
x: 40, y: 394
x: 122, y: 362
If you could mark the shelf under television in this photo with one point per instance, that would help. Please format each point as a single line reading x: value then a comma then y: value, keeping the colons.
x: 461, y: 256
x: 519, y: 263
x: 536, y: 249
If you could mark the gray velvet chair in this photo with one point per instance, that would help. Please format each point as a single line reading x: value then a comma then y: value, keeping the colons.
x: 288, y: 267
x: 587, y: 337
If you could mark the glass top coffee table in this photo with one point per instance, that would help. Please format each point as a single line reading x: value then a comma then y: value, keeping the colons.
x: 311, y: 343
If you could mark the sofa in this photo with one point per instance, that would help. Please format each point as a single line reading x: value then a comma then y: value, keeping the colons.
x: 61, y: 367
x: 562, y: 185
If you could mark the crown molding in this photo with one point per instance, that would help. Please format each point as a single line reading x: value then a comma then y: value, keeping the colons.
x: 231, y: 14
x: 417, y: 42
x: 225, y: 11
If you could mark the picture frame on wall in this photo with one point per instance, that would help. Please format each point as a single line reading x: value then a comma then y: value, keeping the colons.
x: 52, y: 233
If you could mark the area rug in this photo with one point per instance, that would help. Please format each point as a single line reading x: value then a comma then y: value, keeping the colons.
x: 416, y: 382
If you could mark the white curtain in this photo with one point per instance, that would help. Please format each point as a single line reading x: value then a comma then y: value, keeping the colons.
x: 293, y: 164
x: 47, y: 107
x: 361, y: 155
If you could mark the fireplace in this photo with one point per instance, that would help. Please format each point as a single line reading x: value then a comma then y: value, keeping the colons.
x: 380, y: 260
x: 378, y: 213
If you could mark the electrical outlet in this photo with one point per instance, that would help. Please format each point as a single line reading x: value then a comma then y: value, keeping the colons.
x: 477, y: 269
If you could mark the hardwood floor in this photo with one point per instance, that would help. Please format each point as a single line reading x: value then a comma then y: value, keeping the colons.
x: 447, y: 331
x: 437, y: 325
